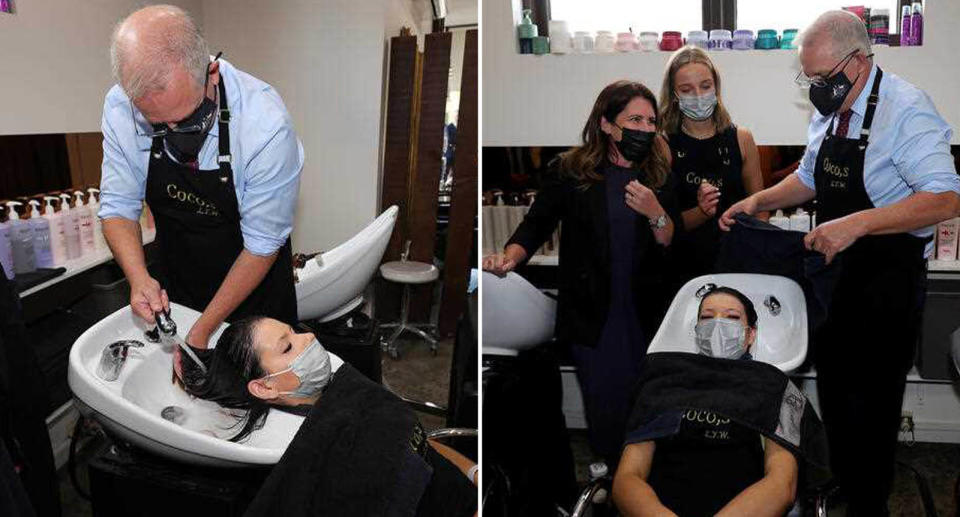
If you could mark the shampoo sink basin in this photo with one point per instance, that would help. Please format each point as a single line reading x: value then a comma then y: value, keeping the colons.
x: 781, y: 318
x: 332, y: 284
x: 516, y: 315
x: 144, y: 407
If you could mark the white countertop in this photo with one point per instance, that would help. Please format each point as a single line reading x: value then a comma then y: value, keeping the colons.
x: 84, y: 263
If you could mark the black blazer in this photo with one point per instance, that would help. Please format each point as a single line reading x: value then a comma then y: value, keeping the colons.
x: 585, y: 256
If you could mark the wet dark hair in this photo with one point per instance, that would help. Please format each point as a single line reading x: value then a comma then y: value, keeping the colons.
x: 234, y: 363
x: 748, y: 308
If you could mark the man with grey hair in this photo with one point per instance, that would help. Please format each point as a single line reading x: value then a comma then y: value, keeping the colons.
x: 878, y: 163
x: 213, y: 153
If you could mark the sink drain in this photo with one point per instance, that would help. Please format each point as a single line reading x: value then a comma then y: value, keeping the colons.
x: 174, y: 414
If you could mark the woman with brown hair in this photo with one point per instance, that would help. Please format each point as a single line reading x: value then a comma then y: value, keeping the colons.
x: 613, y: 196
x: 714, y: 162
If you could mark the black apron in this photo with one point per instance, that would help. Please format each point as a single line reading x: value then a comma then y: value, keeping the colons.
x: 718, y: 161
x: 866, y: 345
x: 198, y: 233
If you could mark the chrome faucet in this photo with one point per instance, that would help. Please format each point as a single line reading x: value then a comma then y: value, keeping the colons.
x: 165, y: 327
x: 113, y: 358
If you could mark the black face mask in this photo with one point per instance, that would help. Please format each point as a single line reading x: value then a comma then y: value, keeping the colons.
x: 829, y: 97
x: 634, y: 144
x: 185, y: 147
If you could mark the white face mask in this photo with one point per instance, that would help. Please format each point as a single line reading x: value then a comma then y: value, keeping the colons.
x: 721, y: 337
x: 312, y: 367
x: 698, y: 107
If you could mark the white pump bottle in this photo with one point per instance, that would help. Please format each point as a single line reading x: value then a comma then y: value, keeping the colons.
x: 87, y: 244
x: 58, y: 239
x: 41, y: 236
x: 21, y: 240
x: 71, y: 227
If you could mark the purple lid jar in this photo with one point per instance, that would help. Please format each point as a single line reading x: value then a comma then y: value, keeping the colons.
x: 721, y: 39
x: 743, y: 40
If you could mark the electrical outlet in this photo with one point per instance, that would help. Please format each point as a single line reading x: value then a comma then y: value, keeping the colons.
x: 906, y: 422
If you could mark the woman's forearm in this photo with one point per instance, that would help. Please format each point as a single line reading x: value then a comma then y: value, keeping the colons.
x: 459, y: 460
x: 770, y: 496
x: 664, y: 236
x: 693, y: 218
x: 635, y: 497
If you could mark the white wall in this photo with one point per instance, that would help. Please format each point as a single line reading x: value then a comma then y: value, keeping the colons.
x: 55, y: 63
x: 326, y: 59
x: 544, y: 100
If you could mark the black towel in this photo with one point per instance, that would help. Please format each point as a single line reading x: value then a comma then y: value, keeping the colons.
x: 360, y: 452
x: 753, y: 246
x: 751, y: 393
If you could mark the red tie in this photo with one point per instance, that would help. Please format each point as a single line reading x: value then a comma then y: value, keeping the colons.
x: 844, y: 124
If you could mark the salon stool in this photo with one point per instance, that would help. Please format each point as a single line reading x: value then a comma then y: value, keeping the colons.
x: 408, y: 273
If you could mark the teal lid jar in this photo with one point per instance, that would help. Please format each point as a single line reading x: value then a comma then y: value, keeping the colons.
x: 767, y: 39
x: 787, y: 41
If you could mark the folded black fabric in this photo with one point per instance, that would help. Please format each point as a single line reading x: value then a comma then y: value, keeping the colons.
x: 25, y: 281
x: 752, y: 393
x: 360, y: 452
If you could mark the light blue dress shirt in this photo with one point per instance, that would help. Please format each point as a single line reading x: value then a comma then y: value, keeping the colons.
x: 266, y: 156
x: 908, y: 150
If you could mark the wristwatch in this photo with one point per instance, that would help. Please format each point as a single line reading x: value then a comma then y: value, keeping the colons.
x: 658, y: 223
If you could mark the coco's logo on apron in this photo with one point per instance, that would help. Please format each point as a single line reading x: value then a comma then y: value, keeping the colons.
x: 202, y: 206
x: 838, y: 175
x: 692, y: 178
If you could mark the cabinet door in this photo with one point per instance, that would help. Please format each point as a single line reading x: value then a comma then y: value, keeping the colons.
x: 941, y: 318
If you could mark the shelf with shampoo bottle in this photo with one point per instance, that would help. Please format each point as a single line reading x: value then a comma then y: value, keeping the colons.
x: 56, y: 234
x: 562, y: 41
x: 502, y: 214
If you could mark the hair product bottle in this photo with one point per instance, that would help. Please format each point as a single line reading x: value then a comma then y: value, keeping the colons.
x: 71, y: 227
x: 41, y: 236
x: 58, y: 239
x: 21, y: 240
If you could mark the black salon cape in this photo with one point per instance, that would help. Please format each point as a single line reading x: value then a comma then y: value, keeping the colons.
x: 754, y: 246
x: 361, y: 452
x: 23, y: 409
x: 751, y: 393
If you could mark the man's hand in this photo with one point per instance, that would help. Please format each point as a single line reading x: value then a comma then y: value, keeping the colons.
x: 708, y: 197
x: 835, y: 236
x: 747, y: 206
x: 642, y: 200
x: 147, y: 298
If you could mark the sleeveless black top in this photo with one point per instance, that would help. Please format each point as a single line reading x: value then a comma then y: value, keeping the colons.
x: 711, y: 456
x: 717, y: 160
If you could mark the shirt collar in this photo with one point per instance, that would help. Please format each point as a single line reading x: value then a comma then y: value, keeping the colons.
x: 860, y: 105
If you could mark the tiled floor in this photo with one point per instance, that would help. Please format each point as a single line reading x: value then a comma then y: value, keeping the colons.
x: 417, y: 375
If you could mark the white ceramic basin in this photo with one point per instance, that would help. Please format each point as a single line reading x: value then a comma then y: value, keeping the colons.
x: 131, y: 405
x: 781, y: 340
x: 516, y: 315
x: 333, y: 286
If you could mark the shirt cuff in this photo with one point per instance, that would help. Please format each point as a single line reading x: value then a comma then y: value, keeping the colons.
x: 131, y: 213
x: 806, y: 180
x: 261, y: 247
